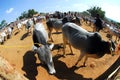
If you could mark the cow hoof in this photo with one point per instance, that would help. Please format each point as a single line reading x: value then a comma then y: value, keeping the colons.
x: 63, y: 56
x: 83, y: 66
x: 72, y: 54
x: 74, y: 66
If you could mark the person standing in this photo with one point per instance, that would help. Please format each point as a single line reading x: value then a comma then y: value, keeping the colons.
x: 98, y: 23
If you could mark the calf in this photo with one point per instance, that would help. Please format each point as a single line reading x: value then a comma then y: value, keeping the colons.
x: 89, y: 43
x: 53, y: 23
x: 40, y: 38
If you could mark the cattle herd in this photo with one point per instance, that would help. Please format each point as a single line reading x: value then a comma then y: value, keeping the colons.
x: 90, y: 44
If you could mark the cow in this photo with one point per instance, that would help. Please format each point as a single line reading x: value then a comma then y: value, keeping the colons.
x: 54, y: 23
x: 9, y: 32
x: 19, y: 26
x: 90, y: 44
x: 40, y: 38
x: 3, y: 37
x: 112, y: 30
x: 29, y: 26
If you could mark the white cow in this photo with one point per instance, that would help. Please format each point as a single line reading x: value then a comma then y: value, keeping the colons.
x: 3, y: 37
x: 40, y: 38
x: 9, y: 32
x: 89, y: 43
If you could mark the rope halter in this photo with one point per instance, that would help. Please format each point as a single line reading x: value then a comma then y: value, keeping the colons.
x: 111, y: 49
x: 38, y: 44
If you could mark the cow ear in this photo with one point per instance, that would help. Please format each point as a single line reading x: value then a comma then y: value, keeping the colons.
x: 97, y: 35
x: 109, y: 43
x: 50, y: 45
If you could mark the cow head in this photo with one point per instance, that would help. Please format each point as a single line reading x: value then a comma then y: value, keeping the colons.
x: 45, y: 56
x: 112, y: 47
x: 107, y: 47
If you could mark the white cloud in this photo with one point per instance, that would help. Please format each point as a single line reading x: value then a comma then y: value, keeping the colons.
x: 112, y: 11
x: 80, y: 7
x: 9, y: 10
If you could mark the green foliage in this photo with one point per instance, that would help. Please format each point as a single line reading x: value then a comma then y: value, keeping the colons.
x: 96, y: 10
x: 28, y: 14
x: 24, y: 14
x: 85, y: 13
x: 3, y: 23
x: 31, y: 12
x: 118, y: 24
x: 42, y: 13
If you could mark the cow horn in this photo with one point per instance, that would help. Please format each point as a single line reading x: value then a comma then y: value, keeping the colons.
x: 38, y: 44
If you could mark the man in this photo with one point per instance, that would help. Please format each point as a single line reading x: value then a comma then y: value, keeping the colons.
x: 98, y: 23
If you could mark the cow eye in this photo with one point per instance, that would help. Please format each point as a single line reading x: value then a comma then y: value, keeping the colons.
x: 111, y: 49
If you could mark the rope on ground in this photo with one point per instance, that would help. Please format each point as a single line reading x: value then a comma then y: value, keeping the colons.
x: 18, y: 46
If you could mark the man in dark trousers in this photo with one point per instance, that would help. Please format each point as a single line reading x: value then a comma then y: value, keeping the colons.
x: 98, y: 23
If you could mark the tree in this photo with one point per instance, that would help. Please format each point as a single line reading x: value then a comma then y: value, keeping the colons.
x: 31, y: 12
x: 28, y: 14
x: 21, y: 17
x: 85, y: 13
x: 42, y: 13
x: 24, y: 14
x: 118, y: 24
x: 96, y: 10
x: 3, y: 23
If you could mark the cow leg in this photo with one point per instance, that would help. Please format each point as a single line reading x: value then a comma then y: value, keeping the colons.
x: 94, y: 29
x: 80, y: 57
x: 64, y: 44
x: 50, y: 34
x: 70, y: 48
x: 118, y: 38
x: 57, y: 31
x: 51, y: 37
x: 85, y: 60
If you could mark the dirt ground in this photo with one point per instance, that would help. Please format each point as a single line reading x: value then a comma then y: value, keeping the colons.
x: 17, y: 51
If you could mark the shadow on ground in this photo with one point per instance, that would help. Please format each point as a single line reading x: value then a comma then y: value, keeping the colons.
x: 24, y: 36
x: 29, y: 65
x: 63, y: 72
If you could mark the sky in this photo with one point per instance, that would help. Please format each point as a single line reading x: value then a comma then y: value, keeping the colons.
x: 12, y: 9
